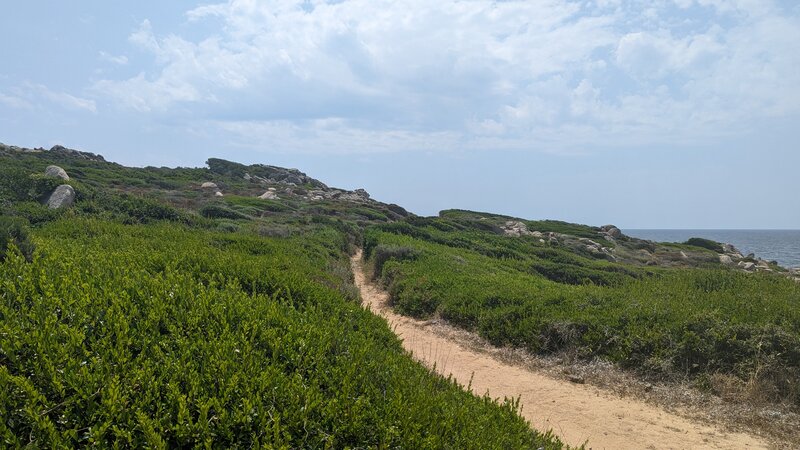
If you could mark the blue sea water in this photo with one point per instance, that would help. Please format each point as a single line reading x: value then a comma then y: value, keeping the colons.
x: 779, y: 245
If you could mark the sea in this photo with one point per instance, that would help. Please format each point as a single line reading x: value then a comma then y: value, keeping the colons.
x: 778, y: 245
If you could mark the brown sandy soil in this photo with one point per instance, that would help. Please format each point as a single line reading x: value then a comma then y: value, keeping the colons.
x: 577, y: 413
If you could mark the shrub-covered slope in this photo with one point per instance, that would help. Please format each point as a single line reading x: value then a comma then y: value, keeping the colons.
x: 550, y: 295
x: 155, y: 313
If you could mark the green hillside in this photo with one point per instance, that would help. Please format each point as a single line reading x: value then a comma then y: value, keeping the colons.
x: 547, y: 291
x: 155, y: 313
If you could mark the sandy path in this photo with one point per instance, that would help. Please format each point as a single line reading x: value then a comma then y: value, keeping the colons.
x: 576, y: 413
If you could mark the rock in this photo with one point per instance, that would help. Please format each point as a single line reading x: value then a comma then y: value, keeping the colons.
x: 76, y: 154
x: 56, y: 172
x: 62, y: 197
x: 219, y: 194
x: 684, y: 255
x: 730, y: 249
x: 269, y: 195
x: 247, y: 177
x: 589, y: 242
x: 762, y: 264
x: 359, y: 195
x: 209, y: 185
x: 515, y: 228
x: 747, y: 265
x: 611, y: 231
x: 726, y: 260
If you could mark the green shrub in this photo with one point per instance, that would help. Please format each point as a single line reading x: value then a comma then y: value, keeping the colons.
x: 705, y: 243
x: 154, y: 335
x: 20, y: 185
x: 382, y: 254
x: 14, y: 231
x: 217, y: 211
x: 36, y: 213
x: 227, y: 226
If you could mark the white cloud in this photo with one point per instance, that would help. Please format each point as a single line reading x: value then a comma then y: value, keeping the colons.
x: 16, y: 102
x: 120, y: 60
x: 517, y: 74
x: 63, y: 99
x: 31, y: 96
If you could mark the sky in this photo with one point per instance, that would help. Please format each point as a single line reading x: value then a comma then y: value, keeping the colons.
x: 644, y: 114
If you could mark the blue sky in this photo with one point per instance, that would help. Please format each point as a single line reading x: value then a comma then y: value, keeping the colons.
x: 646, y: 114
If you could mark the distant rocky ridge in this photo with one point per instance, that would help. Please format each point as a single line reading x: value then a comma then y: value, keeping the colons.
x: 56, y: 149
x: 613, y: 245
x: 292, y: 182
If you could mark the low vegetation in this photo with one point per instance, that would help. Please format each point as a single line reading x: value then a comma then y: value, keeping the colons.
x: 152, y: 314
x: 707, y: 323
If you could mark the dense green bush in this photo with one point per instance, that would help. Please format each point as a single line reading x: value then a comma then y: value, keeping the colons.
x: 36, y: 213
x: 217, y: 211
x: 14, y: 231
x: 19, y: 184
x: 166, y: 337
x: 383, y: 253
x: 705, y: 243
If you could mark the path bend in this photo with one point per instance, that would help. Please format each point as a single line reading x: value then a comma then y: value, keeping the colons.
x: 576, y: 413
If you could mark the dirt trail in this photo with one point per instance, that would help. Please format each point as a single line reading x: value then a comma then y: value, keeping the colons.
x: 576, y: 413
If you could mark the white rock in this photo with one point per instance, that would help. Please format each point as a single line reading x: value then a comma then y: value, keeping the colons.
x: 269, y: 195
x: 209, y: 185
x: 219, y: 194
x: 726, y: 260
x: 62, y: 197
x: 56, y: 172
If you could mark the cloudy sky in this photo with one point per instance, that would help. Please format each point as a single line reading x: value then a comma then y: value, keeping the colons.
x: 646, y: 114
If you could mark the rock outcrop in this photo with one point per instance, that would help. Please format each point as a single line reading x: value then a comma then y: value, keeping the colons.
x: 56, y: 149
x: 76, y: 153
x: 62, y: 197
x: 264, y: 174
x: 611, y: 231
x: 56, y: 172
x: 209, y: 185
x: 515, y: 228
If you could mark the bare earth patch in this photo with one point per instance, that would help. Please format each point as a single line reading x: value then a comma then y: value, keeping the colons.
x: 589, y: 403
